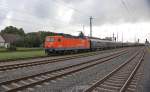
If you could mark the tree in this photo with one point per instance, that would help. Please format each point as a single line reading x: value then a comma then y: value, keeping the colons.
x: 32, y: 40
x: 43, y: 34
x: 18, y: 32
x: 81, y: 34
x: 13, y: 30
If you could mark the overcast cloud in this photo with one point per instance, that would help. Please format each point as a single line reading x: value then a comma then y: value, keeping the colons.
x: 68, y: 15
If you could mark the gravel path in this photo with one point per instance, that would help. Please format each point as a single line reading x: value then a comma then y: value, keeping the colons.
x: 144, y: 82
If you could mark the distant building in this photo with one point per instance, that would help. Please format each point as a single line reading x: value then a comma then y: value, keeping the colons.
x: 2, y: 42
x: 7, y: 39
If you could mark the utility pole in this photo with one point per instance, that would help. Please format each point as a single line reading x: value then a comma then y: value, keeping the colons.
x: 113, y: 37
x: 138, y: 40
x: 91, y: 18
x: 135, y: 39
x: 83, y: 28
x: 122, y: 39
x: 117, y: 36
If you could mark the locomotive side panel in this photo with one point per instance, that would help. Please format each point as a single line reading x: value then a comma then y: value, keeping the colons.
x: 76, y: 43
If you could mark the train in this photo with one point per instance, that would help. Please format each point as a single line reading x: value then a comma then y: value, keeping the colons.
x: 60, y: 44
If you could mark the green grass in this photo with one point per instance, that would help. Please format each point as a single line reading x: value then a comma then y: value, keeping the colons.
x: 27, y: 49
x: 2, y: 49
x: 17, y: 54
x: 21, y: 49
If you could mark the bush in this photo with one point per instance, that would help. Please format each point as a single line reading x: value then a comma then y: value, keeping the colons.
x: 12, y: 48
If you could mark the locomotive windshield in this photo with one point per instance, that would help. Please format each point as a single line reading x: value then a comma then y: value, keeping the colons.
x: 50, y: 39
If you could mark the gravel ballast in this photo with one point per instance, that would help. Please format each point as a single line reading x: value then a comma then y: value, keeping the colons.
x: 80, y: 79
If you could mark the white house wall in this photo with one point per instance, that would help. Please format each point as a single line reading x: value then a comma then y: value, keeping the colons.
x: 1, y: 39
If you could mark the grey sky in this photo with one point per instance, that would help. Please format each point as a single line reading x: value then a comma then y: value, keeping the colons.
x: 66, y: 15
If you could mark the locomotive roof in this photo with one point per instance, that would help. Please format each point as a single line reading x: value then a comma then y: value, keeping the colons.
x: 68, y: 36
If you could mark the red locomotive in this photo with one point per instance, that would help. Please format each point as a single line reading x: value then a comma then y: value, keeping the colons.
x: 62, y: 44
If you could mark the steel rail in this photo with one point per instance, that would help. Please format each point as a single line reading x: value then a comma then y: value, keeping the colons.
x: 97, y: 83
x: 21, y: 65
x: 123, y: 89
x: 79, y: 68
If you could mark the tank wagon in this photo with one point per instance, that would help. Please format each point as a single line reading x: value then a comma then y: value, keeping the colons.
x: 63, y: 44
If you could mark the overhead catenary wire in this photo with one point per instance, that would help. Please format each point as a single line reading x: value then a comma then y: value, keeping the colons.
x: 131, y: 10
x: 126, y: 5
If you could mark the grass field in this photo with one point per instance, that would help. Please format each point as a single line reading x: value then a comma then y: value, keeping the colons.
x: 2, y: 49
x: 21, y: 54
x: 27, y: 49
x: 20, y: 49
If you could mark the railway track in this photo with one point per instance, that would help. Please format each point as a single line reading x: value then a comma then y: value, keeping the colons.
x: 120, y: 78
x: 39, y: 79
x: 34, y: 63
x: 59, y: 56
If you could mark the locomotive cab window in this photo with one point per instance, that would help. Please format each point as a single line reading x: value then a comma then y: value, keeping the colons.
x: 50, y: 39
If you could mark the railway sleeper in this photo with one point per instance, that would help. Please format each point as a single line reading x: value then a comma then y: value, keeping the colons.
x: 24, y: 82
x: 117, y: 78
x: 130, y: 90
x: 98, y: 89
x: 112, y: 84
x: 109, y: 87
x: 112, y: 81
